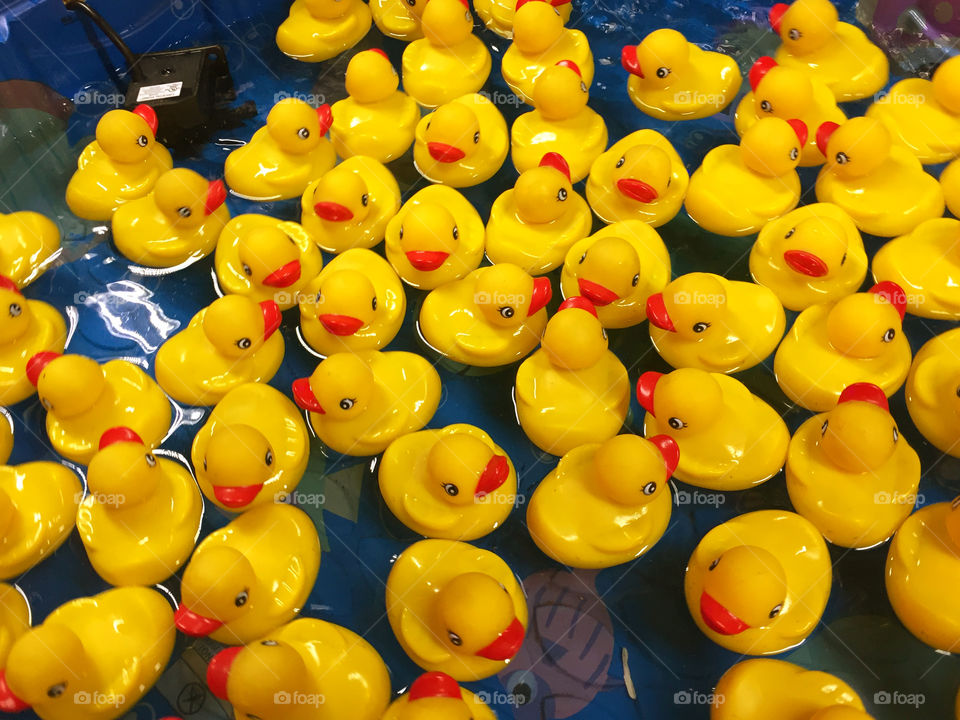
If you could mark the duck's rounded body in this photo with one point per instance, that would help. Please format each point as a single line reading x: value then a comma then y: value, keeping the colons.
x: 29, y: 242
x: 317, y: 30
x: 950, y: 184
x: 14, y: 618
x: 398, y: 19
x: 436, y: 694
x: 933, y: 391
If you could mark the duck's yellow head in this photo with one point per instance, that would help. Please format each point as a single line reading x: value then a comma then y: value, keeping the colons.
x: 296, y: 127
x: 609, y: 270
x: 542, y: 193
x: 255, y: 678
x: 128, y: 136
x: 473, y: 614
x: 953, y: 523
x: 462, y: 469
x: 841, y: 712
x: 452, y: 132
x: 779, y: 91
x: 771, y: 147
x: 237, y: 461
x: 506, y: 295
x: 744, y: 587
x: 328, y: 9
x: 341, y: 195
x: 15, y: 314
x: 67, y: 385
x: 815, y: 247
x: 346, y: 301
x: 804, y: 26
x: 559, y: 93
x: 690, y: 306
x: 447, y: 23
x: 859, y: 435
x: 659, y: 58
x: 537, y: 26
x: 863, y: 325
x: 428, y: 235
x: 237, y: 326
x: 340, y: 387
x: 435, y: 696
x: 633, y: 471
x: 643, y: 173
x: 854, y: 149
x: 689, y: 400
x: 370, y: 77
x: 574, y: 339
x: 946, y: 84
x: 268, y: 256
x: 187, y: 198
x: 218, y: 587
x: 123, y: 473
x: 46, y: 668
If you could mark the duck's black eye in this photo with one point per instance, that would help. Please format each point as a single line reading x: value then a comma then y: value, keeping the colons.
x: 269, y: 643
x: 700, y: 327
x: 794, y: 153
x: 650, y: 488
x: 151, y: 459
x: 562, y: 194
x: 364, y: 199
x: 714, y: 564
x: 476, y: 137
x: 823, y: 428
x: 454, y: 638
x: 583, y: 86
x: 766, y: 106
x: 842, y: 158
x: 889, y: 335
x: 582, y: 258
x: 621, y: 161
x: 456, y: 233
x: 636, y: 280
x: 843, y: 259
x: 958, y: 392
x: 303, y: 133
x: 400, y: 234
x: 347, y: 403
x: 184, y: 212
x: 411, y: 3
x: 268, y: 458
x: 247, y: 270
x: 241, y: 599
x: 373, y: 303
x: 506, y: 312
x: 662, y: 72
x: 790, y: 233
x: 776, y: 610
x: 143, y: 140
x: 896, y: 433
x: 204, y: 464
x: 55, y: 691
x: 795, y: 34
x: 676, y: 423
x: 244, y: 343
x: 451, y: 489
x: 15, y: 310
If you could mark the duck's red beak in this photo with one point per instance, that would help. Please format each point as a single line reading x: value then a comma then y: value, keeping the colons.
x: 637, y: 190
x: 427, y: 260
x: 442, y: 152
x: 579, y: 302
x: 236, y: 496
x: 118, y: 434
x: 670, y: 450
x: 506, y: 645
x: 893, y: 294
x: 149, y: 116
x: 596, y: 293
x: 304, y: 396
x: 628, y: 58
x: 9, y: 703
x: 493, y: 476
x: 334, y: 212
x: 865, y: 392
x: 776, y: 15
x: 718, y: 618
x: 8, y: 284
x: 38, y: 362
x: 340, y: 324
x: 646, y: 387
x: 272, y: 317
x: 657, y: 313
x: 218, y: 671
x: 434, y: 685
x: 760, y: 68
x: 805, y: 263
x: 325, y: 118
x: 189, y: 623
x: 216, y: 196
x: 284, y: 276
x: 542, y: 292
x: 823, y: 135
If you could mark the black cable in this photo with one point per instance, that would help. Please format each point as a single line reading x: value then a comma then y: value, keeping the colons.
x: 81, y: 6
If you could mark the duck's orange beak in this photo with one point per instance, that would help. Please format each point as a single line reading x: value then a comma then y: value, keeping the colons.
x: 542, y: 292
x: 637, y: 190
x: 194, y: 625
x: 442, y: 152
x: 776, y: 15
x: 507, y: 643
x: 216, y: 196
x: 218, y: 671
x: 272, y: 317
x: 427, y: 260
x: 596, y: 293
x: 284, y: 276
x: 38, y: 362
x: 670, y: 450
x: 805, y: 263
x: 493, y: 476
x: 305, y: 398
x: 657, y: 313
x: 9, y: 703
x: 236, y: 496
x: 340, y: 324
x: 646, y: 387
x: 334, y: 212
x: 628, y: 58
x: 718, y: 618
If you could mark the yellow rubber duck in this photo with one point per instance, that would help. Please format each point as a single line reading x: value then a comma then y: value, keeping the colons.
x: 29, y: 243
x: 836, y: 53
x: 705, y: 321
x: 950, y: 183
x: 435, y: 238
x: 84, y: 399
x: 605, y: 503
x: 561, y: 122
x: 850, y: 473
x: 729, y: 439
x: 456, y: 608
x: 360, y: 403
x: 617, y: 269
x: 882, y: 186
x: 232, y: 341
x: 641, y: 177
x: 38, y: 507
x: 494, y: 316
x: 923, y: 572
x: 811, y: 255
x: 673, y: 79
x: 92, y: 658
x: 141, y: 516
x: 534, y: 224
x: 933, y: 391
x: 573, y: 390
x: 449, y: 61
x: 317, y: 30
x: 355, y: 303
x: 251, y: 576
x: 858, y: 338
x: 758, y: 584
x: 252, y: 450
x: 498, y: 15
x: 739, y: 188
x: 27, y: 327
x: 178, y: 222
x: 436, y: 695
x: 376, y: 119
x: 284, y: 155
x: 540, y: 40
x: 788, y: 92
x: 264, y: 258
x: 764, y: 688
x: 925, y: 263
x: 350, y: 205
x: 455, y: 483
x: 462, y: 143
x: 14, y: 618
x: 122, y: 164
x: 398, y: 19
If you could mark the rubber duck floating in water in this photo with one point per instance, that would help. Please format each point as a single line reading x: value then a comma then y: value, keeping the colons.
x: 540, y: 40
x: 350, y: 205
x: 62, y: 670
x: 832, y: 345
x: 436, y: 237
x: 455, y: 608
x: 494, y: 316
x: 284, y: 155
x: 933, y: 391
x: 561, y: 122
x: 950, y: 183
x: 704, y: 321
x: 811, y: 255
x: 729, y: 439
x: 317, y: 30
x: 178, y: 222
x: 29, y: 243
x: 449, y: 61
x: 251, y: 576
x: 232, y: 341
x: 461, y: 143
x: 435, y: 695
x: 360, y: 403
x: 499, y: 15
x: 617, y: 269
x: 641, y: 177
x: 14, y: 618
x: 455, y: 483
x: 355, y: 303
x: 264, y: 258
x: 141, y: 517
x: 534, y: 224
x: 376, y: 119
x: 758, y: 584
x: 398, y: 19
x: 605, y: 503
x: 672, y: 79
x: 331, y: 671
x: 121, y: 165
x: 84, y: 399
x: 836, y: 53
x: 739, y: 188
x: 787, y: 92
x: 882, y: 186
